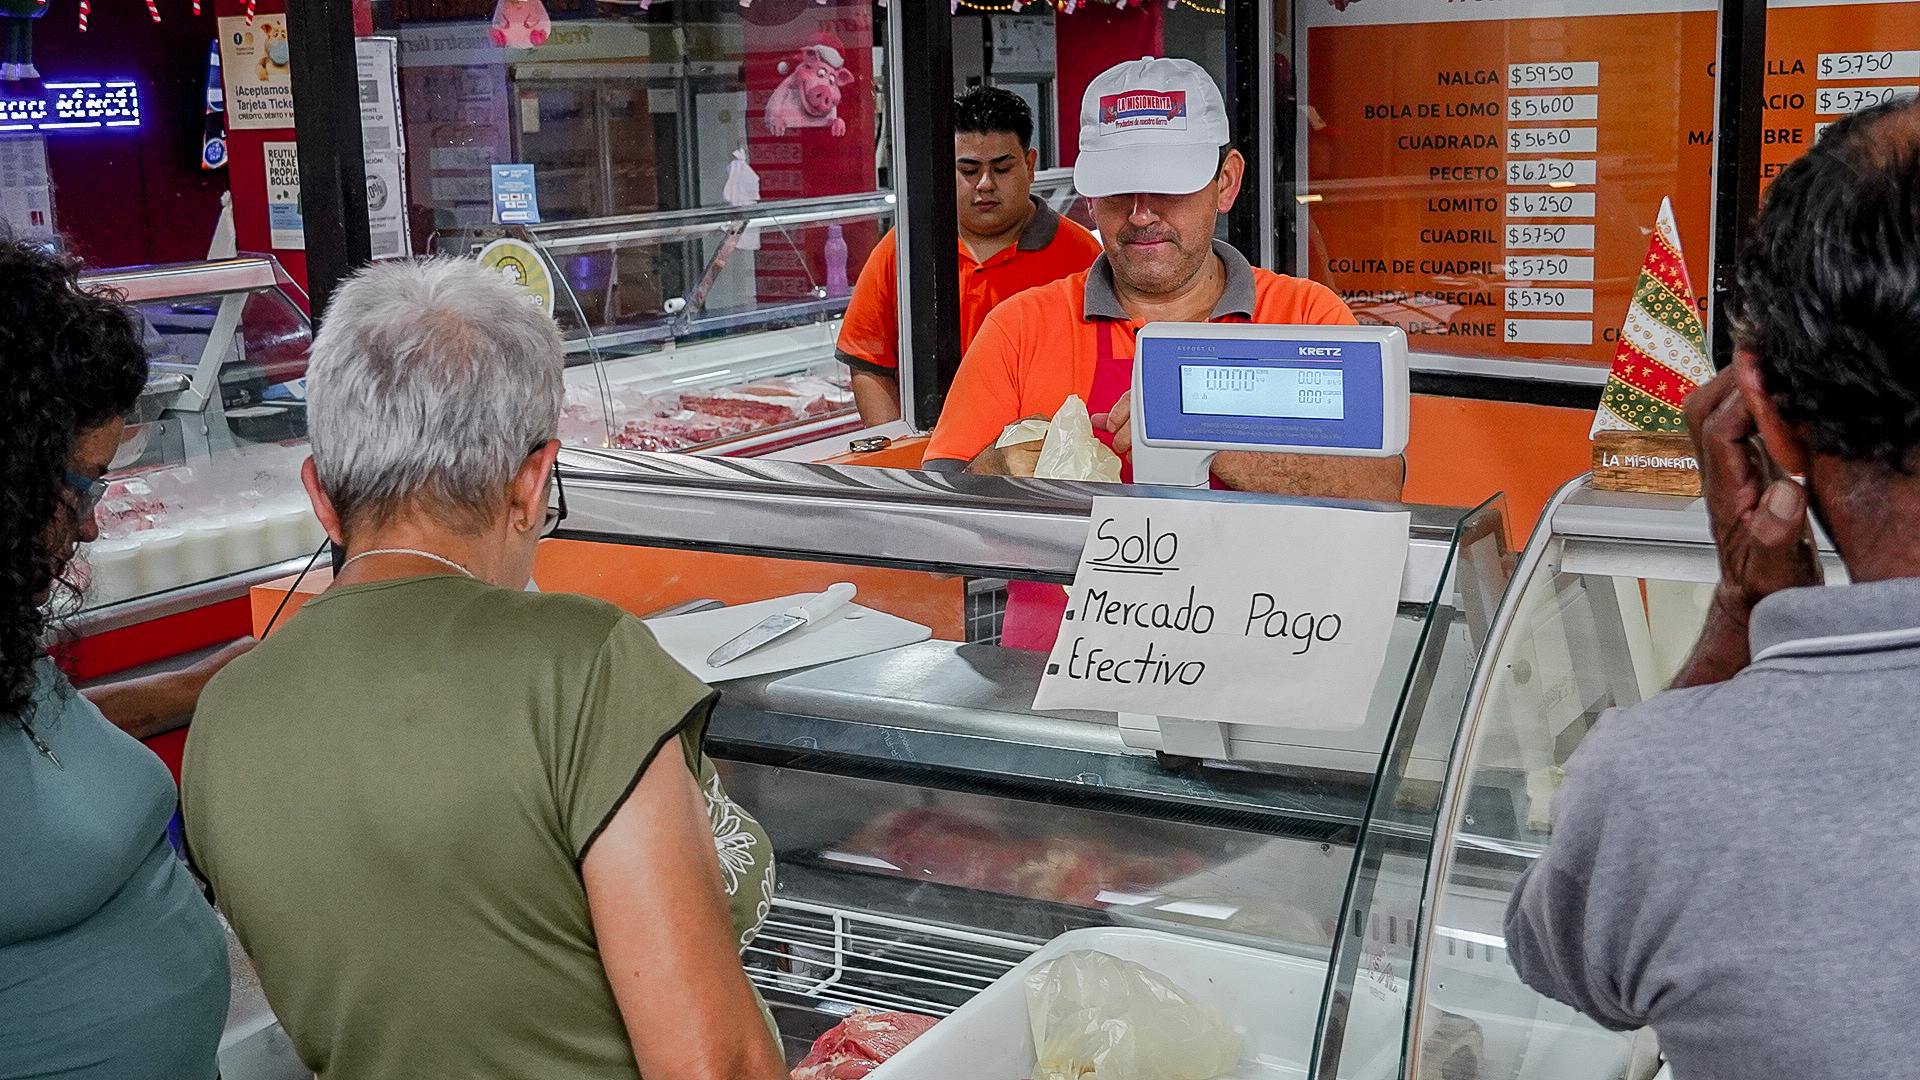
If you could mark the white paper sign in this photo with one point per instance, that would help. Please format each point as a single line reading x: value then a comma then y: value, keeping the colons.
x: 256, y: 69
x: 1246, y: 614
x: 383, y: 147
x: 285, y: 224
x: 26, y: 187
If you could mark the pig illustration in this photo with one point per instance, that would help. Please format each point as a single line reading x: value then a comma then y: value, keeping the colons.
x: 520, y: 24
x: 810, y: 94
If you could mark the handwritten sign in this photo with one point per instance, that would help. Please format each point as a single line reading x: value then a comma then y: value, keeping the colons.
x: 1247, y: 614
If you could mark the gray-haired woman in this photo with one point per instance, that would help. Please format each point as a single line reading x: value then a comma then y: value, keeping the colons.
x: 466, y: 830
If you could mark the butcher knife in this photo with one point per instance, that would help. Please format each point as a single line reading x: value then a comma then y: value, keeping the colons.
x: 786, y: 622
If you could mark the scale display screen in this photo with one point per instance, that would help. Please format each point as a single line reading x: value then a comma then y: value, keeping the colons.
x: 1292, y: 393
x: 1271, y: 388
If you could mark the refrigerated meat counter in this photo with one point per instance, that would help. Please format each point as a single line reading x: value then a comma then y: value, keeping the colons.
x: 1604, y: 607
x: 708, y: 330
x: 934, y: 832
x: 205, y: 498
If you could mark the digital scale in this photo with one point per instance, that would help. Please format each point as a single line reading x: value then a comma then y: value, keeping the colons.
x: 1200, y: 388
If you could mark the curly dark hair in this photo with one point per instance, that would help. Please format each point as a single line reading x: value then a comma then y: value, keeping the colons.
x: 984, y: 110
x: 1828, y: 290
x: 70, y: 360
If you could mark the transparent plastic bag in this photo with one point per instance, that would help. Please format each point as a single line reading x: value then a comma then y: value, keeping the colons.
x: 1069, y: 450
x: 1098, y: 1017
x: 1032, y: 429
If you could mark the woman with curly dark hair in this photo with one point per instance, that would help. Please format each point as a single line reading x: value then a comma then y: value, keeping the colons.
x: 112, y: 966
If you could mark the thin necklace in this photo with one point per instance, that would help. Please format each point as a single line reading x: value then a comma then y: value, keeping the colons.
x: 441, y: 559
x: 40, y: 743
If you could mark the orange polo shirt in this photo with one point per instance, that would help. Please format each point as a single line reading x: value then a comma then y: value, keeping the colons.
x: 1040, y: 347
x: 1049, y: 248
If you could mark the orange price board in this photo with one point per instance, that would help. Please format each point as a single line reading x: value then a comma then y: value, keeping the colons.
x: 1485, y: 175
x: 1826, y: 59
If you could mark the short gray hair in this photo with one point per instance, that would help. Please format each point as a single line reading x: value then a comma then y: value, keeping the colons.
x: 431, y: 382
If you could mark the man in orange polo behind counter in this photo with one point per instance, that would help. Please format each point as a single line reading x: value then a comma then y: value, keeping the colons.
x: 1010, y: 241
x: 1156, y: 163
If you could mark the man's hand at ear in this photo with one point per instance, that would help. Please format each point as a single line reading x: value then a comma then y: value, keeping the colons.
x: 1758, y: 515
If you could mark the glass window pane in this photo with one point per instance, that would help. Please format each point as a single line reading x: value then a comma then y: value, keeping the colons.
x: 692, y: 187
x: 1488, y: 180
x: 1825, y: 60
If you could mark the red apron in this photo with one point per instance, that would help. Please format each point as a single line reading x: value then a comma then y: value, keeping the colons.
x: 1034, y: 609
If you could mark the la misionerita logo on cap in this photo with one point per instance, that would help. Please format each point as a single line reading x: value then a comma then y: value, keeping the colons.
x: 1144, y: 108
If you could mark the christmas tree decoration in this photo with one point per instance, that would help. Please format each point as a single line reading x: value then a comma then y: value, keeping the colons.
x: 18, y: 15
x: 153, y: 10
x: 86, y: 9
x: 1663, y: 349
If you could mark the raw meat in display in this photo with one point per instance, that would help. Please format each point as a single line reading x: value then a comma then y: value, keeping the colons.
x: 805, y: 404
x: 679, y: 431
x: 857, y: 1045
x: 747, y: 406
x: 645, y: 422
x: 943, y: 847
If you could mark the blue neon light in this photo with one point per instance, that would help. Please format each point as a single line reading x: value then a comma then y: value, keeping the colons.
x: 74, y: 106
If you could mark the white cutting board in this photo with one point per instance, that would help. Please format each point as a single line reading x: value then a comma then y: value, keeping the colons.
x: 851, y: 631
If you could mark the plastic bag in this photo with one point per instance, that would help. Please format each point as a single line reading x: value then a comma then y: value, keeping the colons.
x: 1098, y: 1017
x: 1070, y: 451
x: 1031, y: 429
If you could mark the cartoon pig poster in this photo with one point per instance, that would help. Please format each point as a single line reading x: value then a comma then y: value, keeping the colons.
x: 810, y: 94
x: 810, y: 130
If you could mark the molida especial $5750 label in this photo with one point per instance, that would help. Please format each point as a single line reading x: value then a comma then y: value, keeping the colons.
x: 1237, y: 612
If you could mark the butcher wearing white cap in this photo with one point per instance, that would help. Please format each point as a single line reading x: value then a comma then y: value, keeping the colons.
x: 1157, y: 165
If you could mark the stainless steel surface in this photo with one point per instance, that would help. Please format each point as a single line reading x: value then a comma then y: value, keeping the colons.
x: 1528, y: 370
x: 979, y: 526
x: 161, y: 282
x: 166, y: 382
x: 185, y: 598
x: 1631, y: 534
x: 767, y: 629
x: 1587, y: 513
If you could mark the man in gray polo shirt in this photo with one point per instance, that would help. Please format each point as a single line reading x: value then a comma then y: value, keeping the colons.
x: 1737, y: 861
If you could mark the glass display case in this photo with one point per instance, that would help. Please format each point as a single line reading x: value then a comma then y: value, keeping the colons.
x: 691, y: 189
x: 669, y: 347
x: 205, y: 496
x: 935, y: 832
x: 1604, y: 608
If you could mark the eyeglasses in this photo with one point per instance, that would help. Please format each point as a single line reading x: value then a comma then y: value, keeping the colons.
x: 556, y: 504
x: 90, y: 491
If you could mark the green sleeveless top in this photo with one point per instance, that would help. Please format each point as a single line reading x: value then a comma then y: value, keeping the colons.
x: 391, y: 797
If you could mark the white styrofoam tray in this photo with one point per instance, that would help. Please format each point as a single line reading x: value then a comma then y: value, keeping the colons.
x: 1273, y: 1000
x: 851, y: 631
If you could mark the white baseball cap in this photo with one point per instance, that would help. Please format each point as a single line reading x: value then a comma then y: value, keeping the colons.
x: 1150, y: 125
